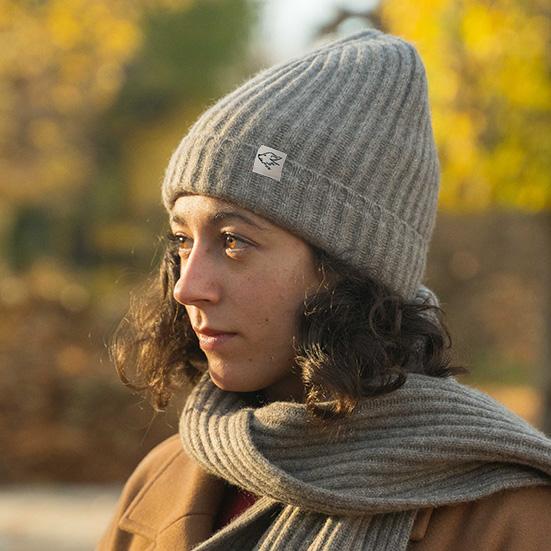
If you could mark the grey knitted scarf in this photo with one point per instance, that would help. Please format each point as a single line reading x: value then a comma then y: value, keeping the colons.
x: 431, y: 442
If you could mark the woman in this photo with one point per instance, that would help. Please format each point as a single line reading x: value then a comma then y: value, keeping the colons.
x: 324, y: 413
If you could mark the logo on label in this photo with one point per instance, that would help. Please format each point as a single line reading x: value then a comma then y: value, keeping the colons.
x: 269, y: 162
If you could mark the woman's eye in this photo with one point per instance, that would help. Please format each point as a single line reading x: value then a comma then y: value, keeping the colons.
x: 181, y: 242
x: 230, y: 242
x: 234, y: 243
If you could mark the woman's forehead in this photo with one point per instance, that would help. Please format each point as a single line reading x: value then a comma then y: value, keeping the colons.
x: 194, y: 206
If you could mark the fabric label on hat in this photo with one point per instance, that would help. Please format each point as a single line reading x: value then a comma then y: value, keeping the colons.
x: 269, y: 162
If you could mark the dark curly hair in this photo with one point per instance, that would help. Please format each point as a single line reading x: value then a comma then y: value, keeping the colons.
x: 356, y: 338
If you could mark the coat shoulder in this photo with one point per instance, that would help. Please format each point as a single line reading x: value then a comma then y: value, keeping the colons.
x: 156, y: 460
x: 158, y: 465
x: 510, y: 520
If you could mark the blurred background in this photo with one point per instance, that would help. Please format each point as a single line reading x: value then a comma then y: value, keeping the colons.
x: 95, y: 95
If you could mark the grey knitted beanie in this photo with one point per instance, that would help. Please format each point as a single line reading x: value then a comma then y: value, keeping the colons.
x: 336, y: 146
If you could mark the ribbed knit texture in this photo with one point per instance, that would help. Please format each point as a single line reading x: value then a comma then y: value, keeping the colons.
x: 431, y: 442
x: 361, y: 174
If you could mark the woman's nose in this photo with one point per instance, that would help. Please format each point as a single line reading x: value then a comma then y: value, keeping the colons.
x: 199, y: 279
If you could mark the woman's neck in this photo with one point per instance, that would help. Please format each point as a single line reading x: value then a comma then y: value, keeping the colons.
x: 289, y: 389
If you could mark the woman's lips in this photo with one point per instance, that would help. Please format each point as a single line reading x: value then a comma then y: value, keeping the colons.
x: 209, y: 339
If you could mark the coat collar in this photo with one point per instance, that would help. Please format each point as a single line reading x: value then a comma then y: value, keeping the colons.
x: 179, y: 503
x: 176, y: 507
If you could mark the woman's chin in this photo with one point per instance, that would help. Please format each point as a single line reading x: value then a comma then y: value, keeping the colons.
x: 226, y: 380
x: 223, y: 380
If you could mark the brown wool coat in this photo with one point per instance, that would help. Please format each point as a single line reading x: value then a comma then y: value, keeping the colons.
x: 169, y: 502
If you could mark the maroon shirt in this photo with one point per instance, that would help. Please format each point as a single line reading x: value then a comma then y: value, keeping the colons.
x: 234, y: 502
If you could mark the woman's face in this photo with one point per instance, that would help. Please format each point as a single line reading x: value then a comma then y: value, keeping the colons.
x: 242, y: 282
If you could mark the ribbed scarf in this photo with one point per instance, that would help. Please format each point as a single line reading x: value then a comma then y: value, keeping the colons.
x: 432, y: 442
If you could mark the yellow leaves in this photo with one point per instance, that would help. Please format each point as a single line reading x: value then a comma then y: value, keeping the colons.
x: 490, y: 91
x: 120, y: 37
x: 510, y: 46
x: 5, y: 13
x: 61, y: 63
x: 464, y: 193
x: 443, y: 87
x: 70, y: 24
x: 533, y: 198
x: 524, y: 82
x: 44, y: 133
x: 507, y: 159
x: 144, y: 155
x: 534, y: 192
x: 479, y: 26
x: 64, y: 98
x: 74, y: 68
x: 109, y: 79
x: 461, y: 139
x: 456, y: 133
x: 63, y: 25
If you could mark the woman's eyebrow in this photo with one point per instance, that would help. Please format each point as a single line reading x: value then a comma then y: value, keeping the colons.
x: 225, y: 215
x: 222, y: 216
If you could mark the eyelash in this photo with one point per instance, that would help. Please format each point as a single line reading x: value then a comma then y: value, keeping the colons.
x: 175, y: 240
